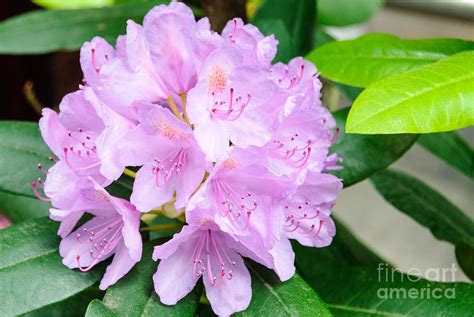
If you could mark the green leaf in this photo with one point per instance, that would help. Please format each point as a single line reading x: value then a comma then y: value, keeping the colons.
x: 277, y: 27
x: 21, y: 149
x: 72, y: 4
x: 134, y: 295
x: 366, y: 154
x: 433, y: 98
x: 425, y: 205
x: 345, y: 250
x: 430, y: 209
x: 451, y: 148
x: 74, y: 306
x: 465, y: 257
x: 386, y: 292
x: 31, y: 272
x: 270, y: 297
x: 343, y: 12
x: 373, y: 57
x: 297, y: 15
x: 122, y: 187
x: 47, y: 31
x: 20, y: 208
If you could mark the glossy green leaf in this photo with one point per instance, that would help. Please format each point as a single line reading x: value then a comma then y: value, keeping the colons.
x: 451, y: 148
x: 21, y: 149
x: 385, y: 292
x: 31, y: 272
x: 46, y: 31
x: 20, y: 208
x: 134, y: 295
x: 297, y: 15
x: 429, y: 208
x: 465, y: 257
x: 366, y: 154
x: 278, y: 28
x: 74, y: 306
x: 434, y: 98
x: 345, y: 250
x: 270, y: 297
x: 343, y: 12
x: 373, y: 57
x: 425, y: 205
x: 73, y: 4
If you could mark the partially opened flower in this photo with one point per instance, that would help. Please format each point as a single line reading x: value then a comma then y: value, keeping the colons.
x: 113, y: 231
x: 156, y: 61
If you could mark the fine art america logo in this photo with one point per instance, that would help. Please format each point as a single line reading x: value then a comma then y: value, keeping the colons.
x: 416, y: 283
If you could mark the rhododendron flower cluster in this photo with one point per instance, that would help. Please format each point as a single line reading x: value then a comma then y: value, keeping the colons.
x: 213, y: 130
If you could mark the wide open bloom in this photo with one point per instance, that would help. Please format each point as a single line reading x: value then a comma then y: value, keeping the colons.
x: 113, y: 231
x: 84, y: 136
x: 172, y: 161
x: 244, y: 193
x: 201, y: 249
x: 227, y: 104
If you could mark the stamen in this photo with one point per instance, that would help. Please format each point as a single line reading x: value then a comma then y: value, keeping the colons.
x: 37, y: 194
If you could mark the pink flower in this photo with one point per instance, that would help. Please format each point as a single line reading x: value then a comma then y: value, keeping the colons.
x: 113, y: 231
x: 158, y: 60
x: 243, y: 194
x: 85, y: 135
x: 202, y: 250
x: 307, y: 211
x: 226, y: 104
x: 172, y: 161
x: 301, y: 141
x: 214, y: 129
x: 256, y: 48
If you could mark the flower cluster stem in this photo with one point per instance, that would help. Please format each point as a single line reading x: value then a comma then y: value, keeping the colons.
x: 169, y: 227
x: 174, y: 108
x: 130, y: 173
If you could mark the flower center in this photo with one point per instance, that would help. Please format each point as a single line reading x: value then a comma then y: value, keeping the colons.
x: 82, y: 155
x: 217, y: 79
x: 293, y: 150
x: 102, y: 238
x: 238, y: 207
x: 303, y: 218
x: 230, y: 109
x: 288, y: 80
x: 211, y: 258
x: 168, y: 167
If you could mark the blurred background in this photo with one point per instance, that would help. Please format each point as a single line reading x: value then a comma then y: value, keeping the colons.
x: 29, y: 82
